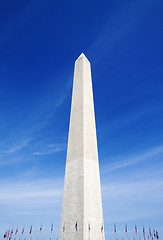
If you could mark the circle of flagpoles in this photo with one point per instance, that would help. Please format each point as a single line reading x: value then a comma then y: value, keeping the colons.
x: 137, y: 234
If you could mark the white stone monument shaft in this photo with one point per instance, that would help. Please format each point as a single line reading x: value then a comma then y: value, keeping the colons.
x: 82, y: 217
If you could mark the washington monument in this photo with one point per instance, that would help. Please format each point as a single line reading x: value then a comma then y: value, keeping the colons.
x: 82, y: 216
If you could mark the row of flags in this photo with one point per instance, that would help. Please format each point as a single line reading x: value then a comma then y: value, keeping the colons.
x: 76, y: 227
x: 8, y: 234
x: 155, y: 232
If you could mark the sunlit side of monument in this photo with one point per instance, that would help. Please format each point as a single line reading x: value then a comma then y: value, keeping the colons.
x: 82, y: 216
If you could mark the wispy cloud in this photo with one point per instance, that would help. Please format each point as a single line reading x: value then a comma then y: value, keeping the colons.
x: 8, y: 161
x: 44, y: 121
x: 51, y: 149
x: 135, y: 115
x: 58, y: 103
x: 130, y: 200
x: 22, y: 193
x: 109, y: 35
x: 17, y: 147
x: 26, y: 201
x: 134, y: 191
x: 133, y: 159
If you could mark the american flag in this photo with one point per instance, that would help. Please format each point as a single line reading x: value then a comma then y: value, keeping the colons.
x: 16, y: 231
x: 76, y: 227
x: 23, y: 230
x: 150, y: 232
x: 52, y: 227
x: 30, y: 231
x: 89, y: 227
x: 157, y: 236
x: 11, y: 234
x: 8, y: 233
x: 136, y: 230
x: 115, y: 228
x: 41, y: 228
x: 63, y: 227
x: 5, y: 235
x: 154, y: 233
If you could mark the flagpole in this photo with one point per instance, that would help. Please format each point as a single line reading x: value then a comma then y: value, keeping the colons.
x: 40, y: 231
x: 76, y: 229
x: 115, y: 231
x: 51, y: 231
x: 40, y: 235
x: 136, y: 232
x: 102, y: 230
x: 30, y: 232
x: 89, y: 229
x: 103, y: 235
x: 126, y: 232
x: 64, y: 227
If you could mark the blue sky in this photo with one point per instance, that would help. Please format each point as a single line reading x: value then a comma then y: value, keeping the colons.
x: 39, y: 42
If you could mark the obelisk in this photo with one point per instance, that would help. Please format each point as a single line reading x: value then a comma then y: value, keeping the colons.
x: 82, y: 216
